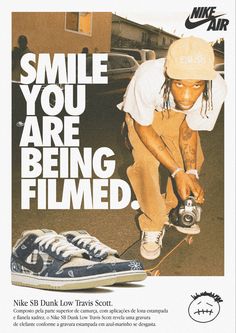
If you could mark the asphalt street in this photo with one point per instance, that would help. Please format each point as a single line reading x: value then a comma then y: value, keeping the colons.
x: 100, y: 126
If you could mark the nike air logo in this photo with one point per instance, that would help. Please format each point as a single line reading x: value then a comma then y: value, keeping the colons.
x: 191, y: 25
x: 36, y: 268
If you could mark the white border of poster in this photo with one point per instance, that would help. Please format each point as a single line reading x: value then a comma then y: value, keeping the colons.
x: 165, y: 292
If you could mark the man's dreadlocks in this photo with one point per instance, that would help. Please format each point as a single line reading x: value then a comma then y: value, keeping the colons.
x: 207, y: 103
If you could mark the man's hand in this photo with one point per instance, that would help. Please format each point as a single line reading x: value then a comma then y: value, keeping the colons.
x: 198, y: 190
x: 187, y: 185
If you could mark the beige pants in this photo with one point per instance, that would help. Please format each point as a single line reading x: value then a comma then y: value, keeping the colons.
x: 144, y: 173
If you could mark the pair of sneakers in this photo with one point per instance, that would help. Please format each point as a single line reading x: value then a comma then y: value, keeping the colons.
x: 69, y: 261
x: 151, y: 241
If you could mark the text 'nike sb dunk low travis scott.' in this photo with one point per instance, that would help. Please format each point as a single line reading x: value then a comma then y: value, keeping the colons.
x: 124, y: 270
x: 43, y: 259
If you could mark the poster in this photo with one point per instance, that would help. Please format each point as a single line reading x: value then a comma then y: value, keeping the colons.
x: 202, y: 273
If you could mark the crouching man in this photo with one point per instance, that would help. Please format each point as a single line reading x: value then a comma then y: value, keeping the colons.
x: 166, y: 103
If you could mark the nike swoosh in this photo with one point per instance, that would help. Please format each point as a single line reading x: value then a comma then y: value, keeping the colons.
x: 191, y: 25
x: 36, y: 268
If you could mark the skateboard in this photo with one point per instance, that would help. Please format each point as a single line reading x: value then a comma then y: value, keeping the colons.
x: 172, y: 240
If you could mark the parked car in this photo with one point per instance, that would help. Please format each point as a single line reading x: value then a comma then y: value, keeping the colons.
x: 120, y: 70
x: 220, y: 68
x: 140, y: 55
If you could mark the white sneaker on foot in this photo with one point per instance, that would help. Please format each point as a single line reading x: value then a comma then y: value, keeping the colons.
x: 151, y: 243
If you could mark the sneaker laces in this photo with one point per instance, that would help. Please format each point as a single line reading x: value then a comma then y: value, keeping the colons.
x: 153, y: 236
x: 59, y: 244
x: 93, y: 244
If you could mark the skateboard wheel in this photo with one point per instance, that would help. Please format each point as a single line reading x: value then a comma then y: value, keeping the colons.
x: 156, y: 273
x: 153, y: 272
x: 189, y: 240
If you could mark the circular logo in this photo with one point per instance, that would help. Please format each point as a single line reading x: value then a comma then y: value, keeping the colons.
x: 205, y: 307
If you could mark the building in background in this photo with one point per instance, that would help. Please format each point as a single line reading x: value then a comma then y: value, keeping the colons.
x: 129, y: 34
x: 126, y: 33
x: 72, y: 32
x: 63, y: 32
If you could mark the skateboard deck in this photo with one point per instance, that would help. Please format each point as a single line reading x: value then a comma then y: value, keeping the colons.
x: 170, y: 243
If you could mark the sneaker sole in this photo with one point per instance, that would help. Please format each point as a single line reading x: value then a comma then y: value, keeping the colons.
x: 40, y: 282
x: 187, y: 231
x: 134, y: 276
x: 148, y: 255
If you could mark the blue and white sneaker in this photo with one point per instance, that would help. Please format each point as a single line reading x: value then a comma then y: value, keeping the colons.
x: 43, y: 259
x: 125, y: 270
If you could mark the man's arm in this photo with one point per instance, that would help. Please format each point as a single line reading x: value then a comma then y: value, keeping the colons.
x: 156, y: 146
x: 188, y: 145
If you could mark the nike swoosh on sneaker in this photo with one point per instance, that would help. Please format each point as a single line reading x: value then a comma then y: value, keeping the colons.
x: 36, y: 268
x: 191, y: 25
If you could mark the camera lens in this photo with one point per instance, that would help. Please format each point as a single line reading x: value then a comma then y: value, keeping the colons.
x: 188, y: 218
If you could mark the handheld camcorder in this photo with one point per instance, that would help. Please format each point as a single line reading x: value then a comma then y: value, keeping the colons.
x: 186, y: 213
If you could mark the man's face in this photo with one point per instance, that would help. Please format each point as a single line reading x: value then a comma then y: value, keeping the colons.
x: 186, y: 92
